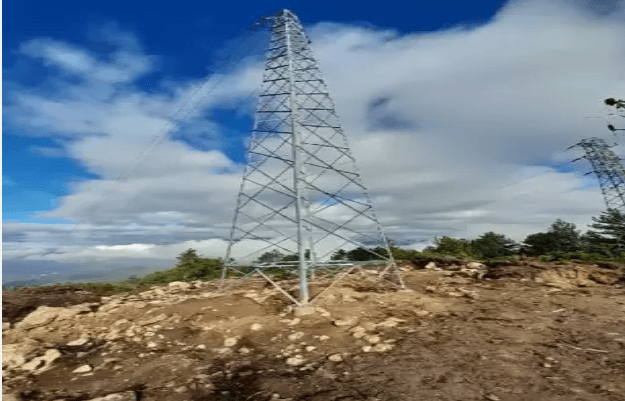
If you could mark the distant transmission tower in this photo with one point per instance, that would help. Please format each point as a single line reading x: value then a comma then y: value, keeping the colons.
x: 301, y: 193
x: 609, y: 170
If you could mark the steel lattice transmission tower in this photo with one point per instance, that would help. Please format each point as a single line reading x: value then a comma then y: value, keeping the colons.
x: 609, y: 170
x: 301, y: 193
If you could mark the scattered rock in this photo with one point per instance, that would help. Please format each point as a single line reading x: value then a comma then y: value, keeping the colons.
x: 83, y: 369
x: 346, y: 322
x: 475, y: 265
x: 357, y: 328
x: 335, y: 358
x: 179, y: 285
x: 304, y: 311
x: 382, y: 347
x: 296, y: 336
x: 391, y: 322
x: 141, y: 325
x: 44, y: 315
x: 42, y: 363
x: 14, y: 355
x: 322, y: 311
x: 230, y: 341
x: 372, y: 339
x: 125, y: 396
x: 80, y: 341
x: 32, y: 365
x: 152, y: 320
x: 223, y: 351
x: 295, y: 361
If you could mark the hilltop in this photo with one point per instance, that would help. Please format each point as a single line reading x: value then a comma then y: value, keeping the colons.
x: 518, y: 330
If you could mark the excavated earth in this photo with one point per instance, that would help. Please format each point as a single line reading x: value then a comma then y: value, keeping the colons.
x: 524, y: 330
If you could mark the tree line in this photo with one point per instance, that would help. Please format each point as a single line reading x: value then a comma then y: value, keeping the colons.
x: 561, y: 241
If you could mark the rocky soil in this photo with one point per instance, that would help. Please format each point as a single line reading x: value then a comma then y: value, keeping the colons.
x: 461, y: 331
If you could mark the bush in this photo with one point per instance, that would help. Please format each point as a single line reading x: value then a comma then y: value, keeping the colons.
x: 580, y: 257
x: 187, y: 270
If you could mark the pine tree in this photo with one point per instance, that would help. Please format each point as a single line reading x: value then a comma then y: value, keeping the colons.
x: 451, y: 246
x: 565, y: 237
x: 341, y: 254
x: 593, y: 242
x: 561, y: 237
x: 611, y: 232
x: 359, y: 255
x: 491, y: 245
x: 188, y: 255
x: 272, y: 256
x: 538, y: 244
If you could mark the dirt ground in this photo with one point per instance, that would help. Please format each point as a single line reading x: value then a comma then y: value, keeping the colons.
x: 524, y: 330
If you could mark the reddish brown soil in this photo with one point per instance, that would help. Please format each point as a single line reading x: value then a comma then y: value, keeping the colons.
x: 527, y: 331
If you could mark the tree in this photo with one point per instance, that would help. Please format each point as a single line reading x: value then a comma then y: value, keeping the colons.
x: 451, y: 246
x: 341, y: 254
x: 189, y: 254
x: 295, y: 257
x: 404, y: 254
x: 359, y: 255
x: 611, y: 232
x: 269, y: 257
x: 592, y: 242
x: 538, y: 244
x: 566, y: 238
x: 379, y: 251
x: 561, y: 237
x: 200, y: 269
x: 188, y: 270
x: 491, y: 245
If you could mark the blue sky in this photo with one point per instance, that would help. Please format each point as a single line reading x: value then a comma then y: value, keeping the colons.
x: 491, y: 92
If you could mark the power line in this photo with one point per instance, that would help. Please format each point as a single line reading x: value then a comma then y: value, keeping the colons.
x: 165, y: 132
x: 159, y: 138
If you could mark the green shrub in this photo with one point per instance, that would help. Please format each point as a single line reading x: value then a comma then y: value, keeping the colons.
x: 580, y: 257
x: 187, y: 270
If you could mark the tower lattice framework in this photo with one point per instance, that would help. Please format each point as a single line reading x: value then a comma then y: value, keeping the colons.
x: 301, y: 192
x: 609, y: 170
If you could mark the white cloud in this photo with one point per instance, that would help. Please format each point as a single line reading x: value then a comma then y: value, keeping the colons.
x: 124, y: 66
x: 442, y: 125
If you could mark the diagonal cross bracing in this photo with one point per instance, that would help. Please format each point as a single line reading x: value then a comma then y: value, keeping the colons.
x: 301, y: 191
x: 609, y: 170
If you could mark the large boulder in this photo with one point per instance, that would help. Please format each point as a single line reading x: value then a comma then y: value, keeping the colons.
x: 15, y: 355
x: 179, y: 285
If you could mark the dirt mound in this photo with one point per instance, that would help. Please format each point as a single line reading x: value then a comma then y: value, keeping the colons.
x: 18, y: 304
x: 464, y: 331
